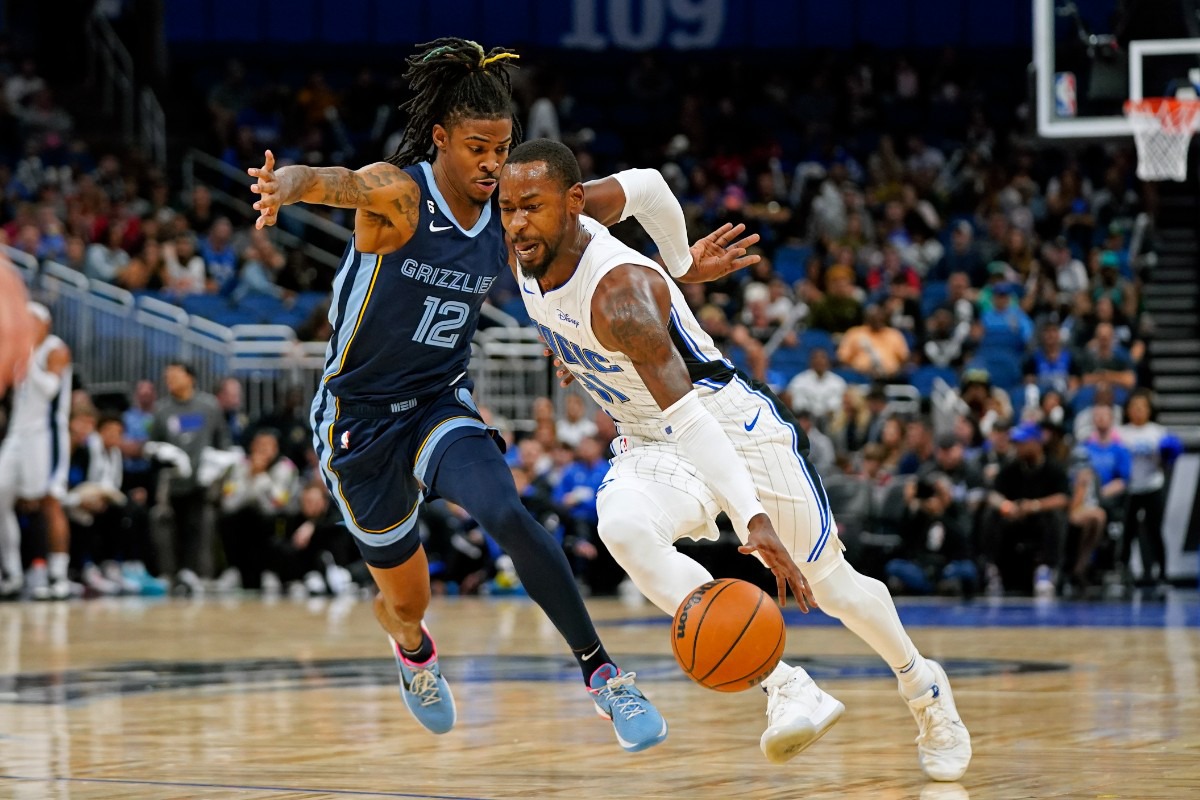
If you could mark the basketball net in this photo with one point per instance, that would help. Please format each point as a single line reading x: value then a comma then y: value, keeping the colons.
x: 1162, y: 129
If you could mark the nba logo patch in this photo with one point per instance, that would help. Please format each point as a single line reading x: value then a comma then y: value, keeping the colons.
x: 1065, y: 104
x: 345, y: 440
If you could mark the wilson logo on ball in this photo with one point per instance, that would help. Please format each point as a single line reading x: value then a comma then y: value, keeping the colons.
x: 682, y: 618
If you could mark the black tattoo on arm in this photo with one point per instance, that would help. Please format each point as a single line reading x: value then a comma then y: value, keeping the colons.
x: 631, y: 312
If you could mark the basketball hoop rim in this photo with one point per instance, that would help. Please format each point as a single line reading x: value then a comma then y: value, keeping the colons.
x: 1172, y: 113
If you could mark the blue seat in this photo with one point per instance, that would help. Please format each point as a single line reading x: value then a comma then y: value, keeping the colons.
x: 923, y: 377
x: 789, y: 361
x: 814, y: 338
x: 791, y: 263
x: 1002, y: 367
x: 852, y: 377
x: 933, y: 294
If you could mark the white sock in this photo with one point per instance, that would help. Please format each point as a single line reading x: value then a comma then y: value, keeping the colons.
x: 865, y: 606
x: 57, y: 562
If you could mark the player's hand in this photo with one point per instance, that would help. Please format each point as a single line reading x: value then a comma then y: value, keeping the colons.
x: 717, y: 254
x: 565, y: 378
x: 16, y: 327
x: 764, y: 542
x: 267, y: 188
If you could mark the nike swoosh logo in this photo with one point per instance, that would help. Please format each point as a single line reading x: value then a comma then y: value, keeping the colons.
x: 589, y: 655
x: 436, y: 229
x: 750, y: 425
x: 525, y: 289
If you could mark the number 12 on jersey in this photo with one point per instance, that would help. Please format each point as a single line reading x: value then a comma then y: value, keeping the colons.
x: 444, y: 332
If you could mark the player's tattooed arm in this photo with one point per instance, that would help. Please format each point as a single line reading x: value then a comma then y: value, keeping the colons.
x: 630, y: 314
x: 381, y: 189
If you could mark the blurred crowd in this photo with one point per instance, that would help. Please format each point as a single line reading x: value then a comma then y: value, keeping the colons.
x: 953, y: 313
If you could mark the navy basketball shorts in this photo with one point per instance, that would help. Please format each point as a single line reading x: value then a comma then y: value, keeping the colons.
x: 377, y: 460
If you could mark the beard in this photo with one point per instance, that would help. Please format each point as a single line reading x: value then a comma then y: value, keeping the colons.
x: 537, y: 267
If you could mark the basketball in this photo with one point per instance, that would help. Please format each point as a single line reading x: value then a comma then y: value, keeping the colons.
x: 728, y: 635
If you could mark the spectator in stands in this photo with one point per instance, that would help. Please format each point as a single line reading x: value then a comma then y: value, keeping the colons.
x: 105, y: 260
x: 229, y: 399
x: 1052, y: 367
x: 918, y: 447
x: 186, y: 272
x: 262, y: 262
x: 257, y: 494
x: 818, y: 389
x: 1087, y: 522
x: 850, y: 423
x: 191, y: 421
x: 220, y: 260
x: 874, y: 349
x: 1030, y: 497
x: 146, y: 271
x: 944, y: 339
x: 1107, y: 364
x: 574, y: 427
x: 998, y: 452
x: 821, y: 452
x: 1110, y: 461
x: 839, y: 309
x: 317, y: 549
x: 1006, y: 324
x: 1070, y: 275
x: 75, y: 255
x: 1153, y: 449
x: 1109, y: 283
x: 935, y: 552
x: 289, y: 419
x: 984, y: 403
x: 200, y: 214
x: 962, y: 257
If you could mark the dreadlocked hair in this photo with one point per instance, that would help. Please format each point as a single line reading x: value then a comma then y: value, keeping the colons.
x: 453, y: 79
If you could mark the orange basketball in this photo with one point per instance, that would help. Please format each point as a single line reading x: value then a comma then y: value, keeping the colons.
x: 728, y: 635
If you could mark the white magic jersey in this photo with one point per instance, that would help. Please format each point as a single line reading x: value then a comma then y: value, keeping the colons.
x: 33, y: 411
x: 564, y: 318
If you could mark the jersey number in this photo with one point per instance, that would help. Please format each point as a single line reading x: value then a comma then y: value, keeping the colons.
x: 444, y: 332
x: 601, y: 389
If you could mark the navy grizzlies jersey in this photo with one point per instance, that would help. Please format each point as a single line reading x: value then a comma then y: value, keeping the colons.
x: 403, y: 322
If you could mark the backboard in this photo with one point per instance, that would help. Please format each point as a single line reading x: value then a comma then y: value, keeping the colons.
x: 1090, y: 56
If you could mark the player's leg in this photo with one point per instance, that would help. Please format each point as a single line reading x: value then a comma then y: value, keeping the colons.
x: 794, y: 497
x: 378, y: 499
x: 652, y: 498
x: 468, y: 469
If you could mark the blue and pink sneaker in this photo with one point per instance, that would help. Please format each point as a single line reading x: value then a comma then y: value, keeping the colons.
x: 425, y: 691
x: 637, y: 723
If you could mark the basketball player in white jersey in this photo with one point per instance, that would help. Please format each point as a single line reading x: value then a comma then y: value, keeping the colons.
x: 33, y: 459
x: 697, y: 438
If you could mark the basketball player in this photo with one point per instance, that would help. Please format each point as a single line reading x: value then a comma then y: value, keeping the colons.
x: 33, y: 460
x: 16, y: 326
x: 394, y: 422
x: 696, y: 437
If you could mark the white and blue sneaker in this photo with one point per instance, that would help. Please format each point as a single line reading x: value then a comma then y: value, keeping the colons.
x: 637, y: 723
x: 943, y: 744
x: 425, y: 691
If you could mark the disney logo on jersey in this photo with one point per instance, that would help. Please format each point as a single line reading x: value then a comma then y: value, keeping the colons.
x: 565, y: 317
x: 446, y: 278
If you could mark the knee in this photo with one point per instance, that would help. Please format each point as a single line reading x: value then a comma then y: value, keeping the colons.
x: 408, y: 607
x: 501, y: 516
x: 622, y: 530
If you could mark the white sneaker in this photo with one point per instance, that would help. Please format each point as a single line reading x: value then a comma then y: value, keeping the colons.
x: 94, y: 579
x: 11, y: 587
x: 798, y: 713
x: 115, y: 573
x: 314, y: 583
x: 1043, y: 582
x: 943, y: 744
x: 228, y: 581
x: 37, y: 581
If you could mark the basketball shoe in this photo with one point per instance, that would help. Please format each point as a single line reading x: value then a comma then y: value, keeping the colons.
x: 798, y: 713
x: 943, y: 744
x: 637, y: 723
x: 425, y: 691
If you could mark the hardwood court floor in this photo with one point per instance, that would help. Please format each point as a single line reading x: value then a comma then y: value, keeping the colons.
x: 283, y: 700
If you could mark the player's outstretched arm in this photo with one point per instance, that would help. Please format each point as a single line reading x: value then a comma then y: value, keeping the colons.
x: 630, y: 312
x: 644, y: 194
x: 381, y: 188
x: 16, y: 327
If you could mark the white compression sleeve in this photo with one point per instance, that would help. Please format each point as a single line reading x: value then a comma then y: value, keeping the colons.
x: 649, y: 198
x: 47, y: 383
x: 702, y: 441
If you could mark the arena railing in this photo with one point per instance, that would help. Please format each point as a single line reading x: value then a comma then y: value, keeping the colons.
x: 117, y: 339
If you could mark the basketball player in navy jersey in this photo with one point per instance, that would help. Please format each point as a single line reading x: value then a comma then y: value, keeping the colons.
x: 394, y: 421
x: 697, y: 437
